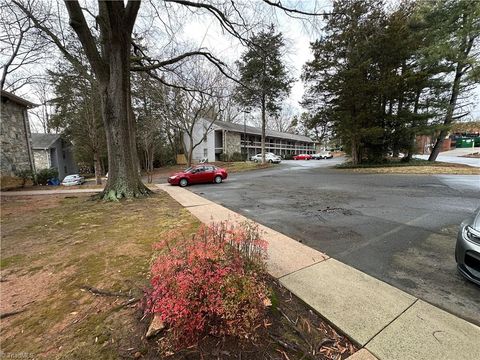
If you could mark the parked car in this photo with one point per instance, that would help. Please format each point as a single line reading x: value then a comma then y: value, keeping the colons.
x: 71, y: 180
x: 302, y: 157
x: 204, y: 173
x: 467, y: 250
x: 269, y: 157
x: 322, y: 155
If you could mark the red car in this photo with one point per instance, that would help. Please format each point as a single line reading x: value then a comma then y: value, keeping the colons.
x: 198, y: 174
x: 302, y: 157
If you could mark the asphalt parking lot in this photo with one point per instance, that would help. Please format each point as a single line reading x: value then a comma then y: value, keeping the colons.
x: 398, y: 228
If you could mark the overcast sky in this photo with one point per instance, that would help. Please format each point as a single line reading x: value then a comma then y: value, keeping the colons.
x: 298, y: 37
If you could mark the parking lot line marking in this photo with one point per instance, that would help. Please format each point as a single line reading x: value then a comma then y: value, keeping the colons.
x: 382, y: 236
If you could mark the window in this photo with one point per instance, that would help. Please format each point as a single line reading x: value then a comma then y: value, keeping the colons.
x: 63, y: 154
x: 205, y: 152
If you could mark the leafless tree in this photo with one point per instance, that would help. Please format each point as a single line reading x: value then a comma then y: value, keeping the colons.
x: 195, y: 112
x: 148, y: 104
x: 41, y: 114
x: 283, y: 121
x: 105, y: 33
x: 21, y: 45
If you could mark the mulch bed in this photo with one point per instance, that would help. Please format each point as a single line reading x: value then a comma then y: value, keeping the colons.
x: 292, y: 331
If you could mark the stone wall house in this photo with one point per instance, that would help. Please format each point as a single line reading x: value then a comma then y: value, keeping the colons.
x: 53, y: 151
x: 225, y: 139
x: 16, y: 144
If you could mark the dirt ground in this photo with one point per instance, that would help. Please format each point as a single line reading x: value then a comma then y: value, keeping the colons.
x: 53, y: 247
x: 58, y: 252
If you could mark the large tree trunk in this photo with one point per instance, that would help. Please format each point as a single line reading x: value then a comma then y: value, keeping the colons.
x: 355, y: 151
x: 111, y: 67
x: 124, y: 179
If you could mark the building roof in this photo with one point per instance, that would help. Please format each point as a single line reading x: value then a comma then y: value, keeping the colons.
x: 16, y: 99
x: 43, y: 141
x: 257, y: 131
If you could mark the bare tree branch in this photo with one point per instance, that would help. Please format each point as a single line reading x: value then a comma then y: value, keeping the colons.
x: 278, y: 4
x: 54, y: 38
x: 80, y: 26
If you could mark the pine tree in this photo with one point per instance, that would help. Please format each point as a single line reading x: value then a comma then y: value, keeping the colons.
x: 454, y: 26
x: 371, y: 79
x: 78, y: 116
x: 264, y: 79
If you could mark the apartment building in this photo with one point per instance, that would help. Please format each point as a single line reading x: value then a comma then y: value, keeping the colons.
x: 228, y: 138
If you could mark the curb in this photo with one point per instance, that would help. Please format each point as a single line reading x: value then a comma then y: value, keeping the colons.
x: 386, y: 322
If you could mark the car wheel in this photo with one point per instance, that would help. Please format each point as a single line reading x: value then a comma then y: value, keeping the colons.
x: 255, y: 160
x: 218, y: 179
x: 270, y: 161
x: 183, y: 182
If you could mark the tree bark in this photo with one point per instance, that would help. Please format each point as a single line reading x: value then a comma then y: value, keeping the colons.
x: 124, y: 179
x: 189, y: 153
x: 411, y: 145
x: 449, y: 116
x: 355, y: 152
x: 112, y: 71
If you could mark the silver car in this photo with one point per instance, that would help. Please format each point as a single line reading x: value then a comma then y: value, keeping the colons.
x: 269, y: 157
x: 467, y: 251
x: 71, y: 180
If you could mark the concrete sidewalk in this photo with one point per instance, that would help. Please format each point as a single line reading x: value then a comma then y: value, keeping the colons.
x: 48, y: 192
x: 386, y: 321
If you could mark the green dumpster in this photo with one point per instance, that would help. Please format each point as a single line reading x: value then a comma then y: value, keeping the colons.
x: 467, y: 142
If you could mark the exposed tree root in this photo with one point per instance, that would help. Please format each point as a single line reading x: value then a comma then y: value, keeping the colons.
x: 116, y: 193
x: 11, y: 313
x: 104, y: 292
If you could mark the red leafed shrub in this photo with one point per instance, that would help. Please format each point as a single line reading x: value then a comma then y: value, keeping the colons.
x: 212, y: 284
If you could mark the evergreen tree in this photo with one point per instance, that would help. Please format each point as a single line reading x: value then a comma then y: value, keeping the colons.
x: 370, y: 78
x: 265, y: 82
x: 454, y: 27
x: 78, y: 116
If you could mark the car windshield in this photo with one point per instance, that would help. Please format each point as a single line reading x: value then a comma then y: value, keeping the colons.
x: 70, y: 177
x: 188, y: 169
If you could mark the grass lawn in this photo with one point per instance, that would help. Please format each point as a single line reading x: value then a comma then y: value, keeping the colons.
x: 52, y: 246
x: 61, y: 253
x: 415, y: 166
x: 239, y: 166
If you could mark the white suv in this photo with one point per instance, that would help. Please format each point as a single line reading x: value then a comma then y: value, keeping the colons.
x: 269, y: 157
